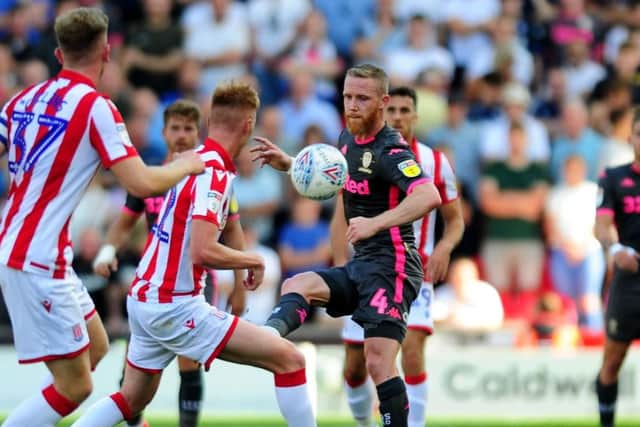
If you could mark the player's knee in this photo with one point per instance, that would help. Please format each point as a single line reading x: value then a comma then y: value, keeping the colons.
x: 378, y: 366
x: 289, y: 359
x: 355, y: 373
x: 80, y: 390
x: 308, y: 284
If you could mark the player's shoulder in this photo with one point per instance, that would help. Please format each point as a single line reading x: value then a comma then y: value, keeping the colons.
x: 389, y: 141
x: 616, y: 171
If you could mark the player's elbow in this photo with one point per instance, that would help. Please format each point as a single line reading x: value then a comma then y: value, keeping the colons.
x: 428, y: 195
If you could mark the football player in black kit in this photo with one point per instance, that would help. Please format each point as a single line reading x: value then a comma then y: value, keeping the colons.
x: 384, y: 193
x: 618, y: 230
x: 180, y: 131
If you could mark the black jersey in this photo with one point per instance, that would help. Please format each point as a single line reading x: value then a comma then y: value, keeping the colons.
x: 382, y: 170
x: 619, y: 196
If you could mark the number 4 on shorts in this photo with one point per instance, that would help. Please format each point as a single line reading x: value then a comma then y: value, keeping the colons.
x: 379, y: 301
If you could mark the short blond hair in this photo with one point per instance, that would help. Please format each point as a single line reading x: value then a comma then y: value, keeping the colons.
x: 79, y: 30
x: 232, y: 99
x: 369, y: 71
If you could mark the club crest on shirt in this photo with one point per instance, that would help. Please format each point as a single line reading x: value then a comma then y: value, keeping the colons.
x: 409, y: 168
x: 124, y: 135
x: 213, y: 201
x: 77, y: 332
x: 367, y: 159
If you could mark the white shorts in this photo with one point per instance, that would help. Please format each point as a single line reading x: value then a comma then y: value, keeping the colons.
x: 420, y: 317
x: 48, y: 315
x: 188, y: 327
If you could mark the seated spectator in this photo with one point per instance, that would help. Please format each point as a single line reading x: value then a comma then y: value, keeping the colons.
x: 582, y: 73
x: 303, y: 108
x: 484, y: 98
x: 314, y: 53
x: 432, y: 87
x: 420, y: 53
x: 466, y: 303
x: 379, y: 35
x: 548, y: 105
x: 152, y: 52
x: 553, y: 323
x: 616, y: 150
x: 217, y: 34
x: 577, y: 263
x: 494, y: 142
x: 576, y: 138
x: 304, y: 241
x: 259, y: 194
x: 512, y: 196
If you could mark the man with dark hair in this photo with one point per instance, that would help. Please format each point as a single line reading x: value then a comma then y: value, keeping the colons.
x: 618, y: 230
x: 385, y: 192
x: 167, y: 289
x: 400, y: 113
x: 56, y: 134
x: 181, y: 133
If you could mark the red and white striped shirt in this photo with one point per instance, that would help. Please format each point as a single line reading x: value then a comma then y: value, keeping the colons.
x: 166, y: 269
x: 435, y: 164
x: 56, y: 134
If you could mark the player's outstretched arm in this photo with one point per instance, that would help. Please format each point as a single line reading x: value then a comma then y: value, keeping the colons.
x: 206, y: 251
x: 423, y: 198
x: 270, y: 154
x: 143, y: 181
x: 338, y: 233
x: 106, y: 262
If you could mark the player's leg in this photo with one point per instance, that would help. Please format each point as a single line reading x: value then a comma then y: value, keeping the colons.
x: 252, y: 345
x: 297, y: 295
x: 607, y: 381
x: 419, y: 327
x: 98, y: 339
x: 591, y: 273
x: 357, y: 385
x: 48, y: 325
x: 138, y: 389
x: 191, y: 391
x: 381, y: 353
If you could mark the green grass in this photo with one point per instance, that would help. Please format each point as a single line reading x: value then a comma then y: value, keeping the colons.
x: 344, y: 422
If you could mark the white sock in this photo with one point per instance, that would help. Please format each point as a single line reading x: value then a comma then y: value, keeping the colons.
x: 104, y: 413
x: 37, y: 411
x: 360, y: 399
x: 417, y: 389
x: 293, y: 399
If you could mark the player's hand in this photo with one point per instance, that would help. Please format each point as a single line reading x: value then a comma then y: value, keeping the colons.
x: 254, y: 278
x: 361, y: 228
x: 627, y: 260
x: 438, y: 264
x: 270, y: 154
x: 105, y: 262
x: 191, y: 161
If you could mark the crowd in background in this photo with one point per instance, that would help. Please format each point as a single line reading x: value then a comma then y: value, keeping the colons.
x: 529, y: 99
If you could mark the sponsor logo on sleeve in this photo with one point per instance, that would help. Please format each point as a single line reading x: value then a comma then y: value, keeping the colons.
x: 409, y: 168
x: 124, y: 135
x: 213, y: 201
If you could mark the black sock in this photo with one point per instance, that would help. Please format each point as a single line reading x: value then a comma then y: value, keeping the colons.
x: 394, y: 404
x: 190, y: 397
x: 607, y: 396
x: 289, y: 314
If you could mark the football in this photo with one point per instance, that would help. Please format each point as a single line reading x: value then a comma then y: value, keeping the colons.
x: 319, y: 171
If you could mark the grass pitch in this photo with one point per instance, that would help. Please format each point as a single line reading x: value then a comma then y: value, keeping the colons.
x: 237, y: 421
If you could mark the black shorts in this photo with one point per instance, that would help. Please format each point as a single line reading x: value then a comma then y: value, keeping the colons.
x: 623, y: 307
x: 377, y: 297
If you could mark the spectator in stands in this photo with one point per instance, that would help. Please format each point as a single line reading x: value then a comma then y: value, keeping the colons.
x: 554, y: 322
x: 303, y: 108
x: 314, y: 53
x: 259, y: 194
x: 19, y: 34
x: 616, y: 150
x: 461, y: 137
x: 217, y: 34
x: 420, y: 52
x: 304, y: 241
x: 576, y: 138
x: 46, y: 45
x: 32, y: 71
x: 152, y: 53
x: 345, y: 19
x: 581, y: 72
x: 469, y: 22
x: 379, y: 35
x: 494, y: 143
x: 484, y: 98
x: 270, y: 125
x: 432, y: 89
x: 577, y: 263
x: 625, y: 68
x: 512, y: 196
x: 507, y: 47
x: 571, y: 23
x: 551, y: 97
x: 275, y: 25
x: 466, y: 303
